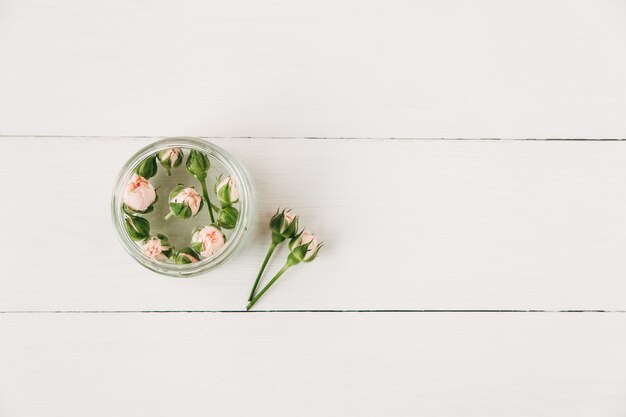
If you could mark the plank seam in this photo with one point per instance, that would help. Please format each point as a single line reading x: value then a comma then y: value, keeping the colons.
x: 314, y: 138
x: 302, y: 311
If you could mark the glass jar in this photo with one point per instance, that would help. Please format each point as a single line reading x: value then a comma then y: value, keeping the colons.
x: 222, y: 162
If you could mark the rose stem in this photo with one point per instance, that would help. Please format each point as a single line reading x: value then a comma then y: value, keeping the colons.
x: 267, y: 287
x: 205, y: 194
x: 170, y: 214
x: 258, y: 277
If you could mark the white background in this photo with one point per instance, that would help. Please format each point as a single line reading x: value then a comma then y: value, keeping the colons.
x: 474, y: 266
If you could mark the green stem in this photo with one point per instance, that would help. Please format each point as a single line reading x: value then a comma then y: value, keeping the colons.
x: 267, y: 287
x: 205, y: 194
x: 170, y: 214
x: 258, y: 277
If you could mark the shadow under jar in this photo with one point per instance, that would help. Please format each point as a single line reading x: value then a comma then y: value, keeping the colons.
x: 177, y: 229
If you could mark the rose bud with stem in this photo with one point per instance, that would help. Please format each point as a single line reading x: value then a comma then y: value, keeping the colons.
x: 148, y: 167
x: 198, y: 165
x: 283, y: 225
x: 170, y: 158
x: 303, y: 248
x: 158, y: 247
x: 140, y: 195
x: 185, y: 202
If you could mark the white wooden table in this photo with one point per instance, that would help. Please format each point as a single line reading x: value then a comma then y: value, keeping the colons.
x: 474, y: 266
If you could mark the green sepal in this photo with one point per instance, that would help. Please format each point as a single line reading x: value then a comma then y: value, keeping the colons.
x: 294, y: 240
x: 176, y: 191
x: 223, y: 193
x: 147, y: 168
x: 137, y: 227
x: 292, y: 260
x: 227, y: 217
x: 291, y: 230
x: 312, y: 257
x: 180, y: 210
x: 166, y: 242
x: 130, y: 211
x: 179, y: 257
x: 277, y: 221
x: 197, y: 246
x: 299, y: 252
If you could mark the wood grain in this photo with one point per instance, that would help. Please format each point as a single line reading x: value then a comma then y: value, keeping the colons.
x: 408, y: 225
x: 419, y: 225
x: 446, y: 364
x: 339, y: 68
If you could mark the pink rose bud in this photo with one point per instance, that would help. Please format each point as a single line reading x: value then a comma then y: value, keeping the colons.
x: 207, y: 240
x: 283, y: 225
x: 185, y: 202
x: 170, y: 158
x: 226, y: 191
x: 304, y: 247
x: 140, y: 195
x: 158, y: 247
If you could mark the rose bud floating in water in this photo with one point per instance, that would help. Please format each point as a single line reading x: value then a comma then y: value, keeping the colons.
x: 303, y: 248
x: 207, y: 240
x: 147, y: 168
x: 137, y: 227
x: 283, y: 225
x: 185, y: 202
x: 170, y: 158
x: 139, y: 195
x: 158, y: 247
x: 198, y: 165
x: 226, y: 191
x: 227, y: 217
x: 186, y: 256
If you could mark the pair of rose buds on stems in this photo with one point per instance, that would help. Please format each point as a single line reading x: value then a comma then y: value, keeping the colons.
x: 303, y: 247
x: 184, y: 202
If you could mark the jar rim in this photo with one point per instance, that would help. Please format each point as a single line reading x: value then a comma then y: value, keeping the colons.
x: 234, y: 168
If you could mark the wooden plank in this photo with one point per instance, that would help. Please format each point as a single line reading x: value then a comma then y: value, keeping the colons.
x: 401, y: 68
x: 409, y: 225
x: 312, y: 364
